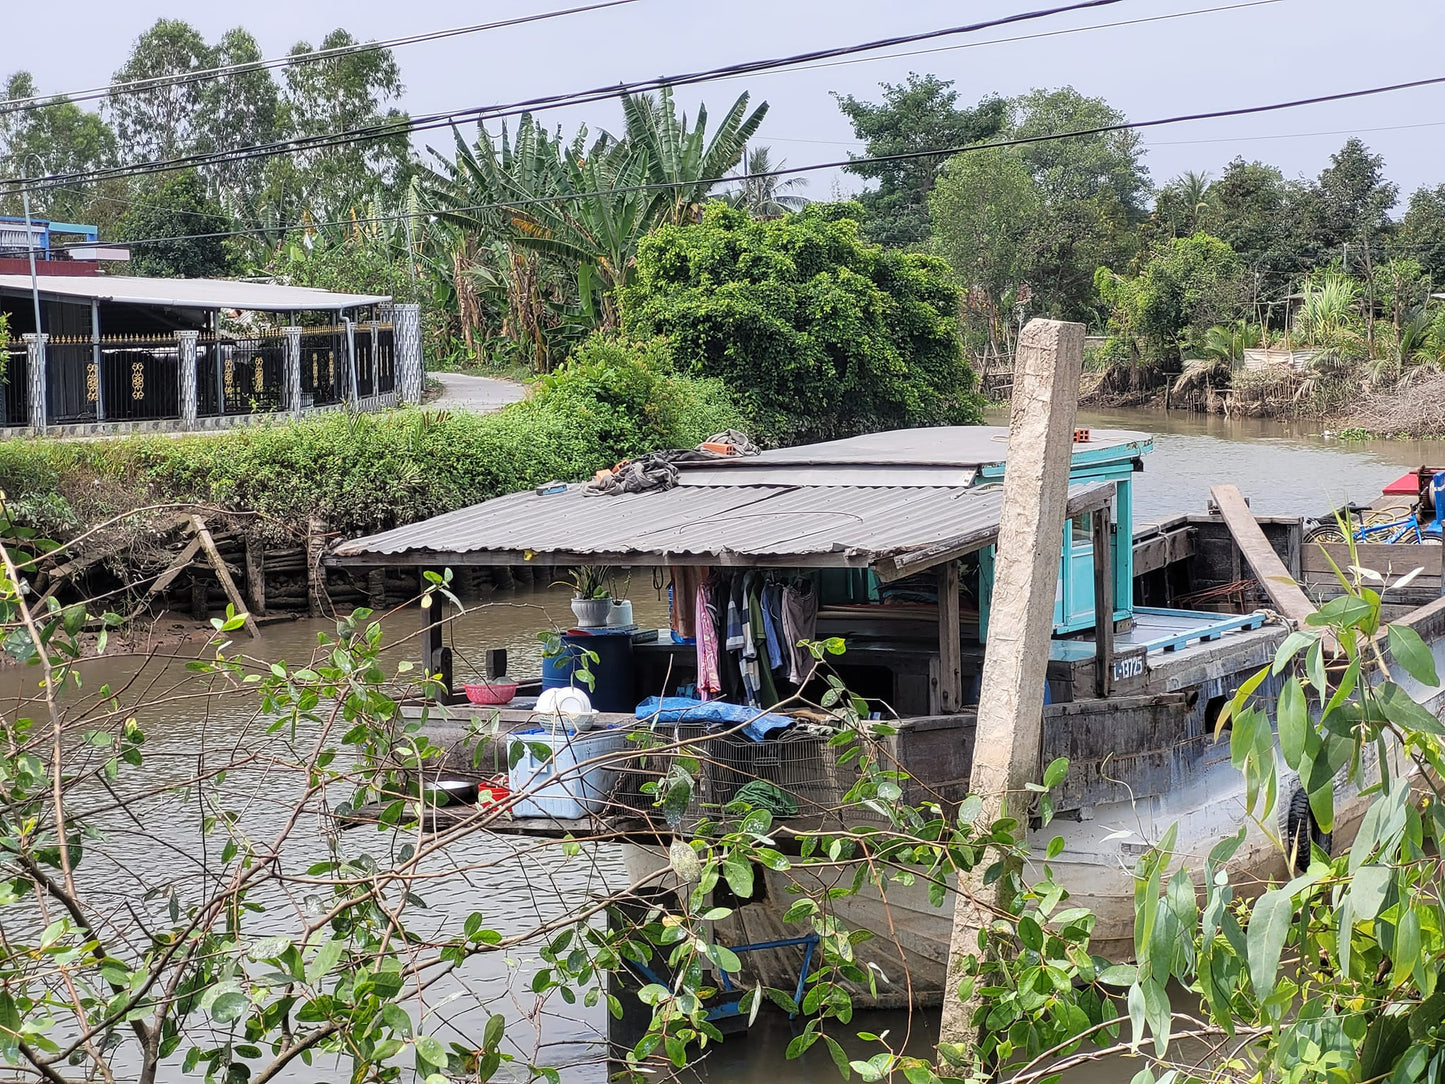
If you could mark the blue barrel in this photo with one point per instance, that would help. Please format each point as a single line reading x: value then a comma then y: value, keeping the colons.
x: 614, y: 689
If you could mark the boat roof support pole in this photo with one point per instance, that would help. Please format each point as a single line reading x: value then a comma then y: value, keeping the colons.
x: 950, y: 641
x: 1009, y: 739
x: 435, y: 659
x: 1103, y: 601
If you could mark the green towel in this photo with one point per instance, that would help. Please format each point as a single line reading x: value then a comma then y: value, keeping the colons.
x: 761, y: 794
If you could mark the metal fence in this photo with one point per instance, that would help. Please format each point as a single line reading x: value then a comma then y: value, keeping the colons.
x: 115, y: 379
x: 385, y: 358
x: 241, y: 376
x: 16, y: 400
x: 324, y: 375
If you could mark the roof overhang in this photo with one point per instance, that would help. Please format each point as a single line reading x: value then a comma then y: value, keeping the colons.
x: 203, y: 294
x: 895, y: 530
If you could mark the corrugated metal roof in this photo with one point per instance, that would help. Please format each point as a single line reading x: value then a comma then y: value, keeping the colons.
x: 930, y: 446
x: 735, y: 524
x: 190, y: 293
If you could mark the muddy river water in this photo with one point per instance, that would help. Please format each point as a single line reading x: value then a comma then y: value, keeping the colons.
x: 1282, y: 469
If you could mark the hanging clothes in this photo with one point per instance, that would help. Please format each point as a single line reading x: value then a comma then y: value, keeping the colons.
x: 720, y: 594
x: 709, y: 680
x: 800, y: 622
x: 772, y: 600
x: 767, y: 691
x: 735, y: 616
x: 686, y: 579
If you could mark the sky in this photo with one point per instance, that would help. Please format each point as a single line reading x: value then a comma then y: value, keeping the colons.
x: 1269, y: 52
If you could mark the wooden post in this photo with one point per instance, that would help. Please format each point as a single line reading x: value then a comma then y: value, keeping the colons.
x: 228, y: 585
x: 1103, y: 601
x: 1009, y: 737
x: 315, y: 573
x: 950, y: 648
x: 496, y: 663
x: 256, y: 575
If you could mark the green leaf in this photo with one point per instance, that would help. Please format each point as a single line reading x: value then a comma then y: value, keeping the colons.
x: 1118, y: 975
x: 1268, y: 927
x: 1367, y: 891
x: 230, y: 1006
x: 431, y: 1051
x: 1405, y: 713
x: 1293, y: 717
x: 1410, y: 652
x: 1055, y: 773
x: 1405, y: 953
x: 739, y: 875
x: 325, y: 959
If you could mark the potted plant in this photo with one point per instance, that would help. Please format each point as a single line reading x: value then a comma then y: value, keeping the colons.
x: 591, y: 595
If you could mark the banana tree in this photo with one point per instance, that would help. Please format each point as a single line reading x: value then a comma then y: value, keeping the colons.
x: 684, y: 163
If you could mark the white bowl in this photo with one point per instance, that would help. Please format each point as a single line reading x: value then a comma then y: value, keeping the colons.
x: 567, y: 701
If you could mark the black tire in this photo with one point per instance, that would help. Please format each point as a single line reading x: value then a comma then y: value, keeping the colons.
x: 1325, y: 532
x: 1301, y: 831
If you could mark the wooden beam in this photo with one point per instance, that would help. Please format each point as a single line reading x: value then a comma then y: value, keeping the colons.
x: 203, y: 535
x: 1282, y: 588
x: 1103, y: 601
x: 1047, y: 368
x: 950, y: 646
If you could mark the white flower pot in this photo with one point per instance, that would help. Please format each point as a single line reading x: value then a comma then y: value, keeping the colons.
x: 591, y: 613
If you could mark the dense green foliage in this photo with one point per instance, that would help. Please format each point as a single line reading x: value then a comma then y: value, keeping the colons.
x: 920, y: 114
x: 820, y: 333
x: 366, y: 473
x: 165, y: 220
x: 1189, y: 285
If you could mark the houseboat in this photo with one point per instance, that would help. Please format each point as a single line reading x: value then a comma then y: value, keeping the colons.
x: 888, y: 542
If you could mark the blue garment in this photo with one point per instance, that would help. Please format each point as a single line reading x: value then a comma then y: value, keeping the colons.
x: 681, y: 709
x: 773, y: 624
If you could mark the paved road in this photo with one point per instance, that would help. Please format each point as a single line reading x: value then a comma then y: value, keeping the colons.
x: 479, y: 394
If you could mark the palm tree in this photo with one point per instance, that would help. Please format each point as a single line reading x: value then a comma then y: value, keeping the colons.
x: 764, y: 195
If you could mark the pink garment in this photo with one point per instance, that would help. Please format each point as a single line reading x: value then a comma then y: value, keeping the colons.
x: 709, y: 683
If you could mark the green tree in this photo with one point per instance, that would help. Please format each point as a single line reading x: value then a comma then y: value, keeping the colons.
x: 685, y: 161
x: 339, y: 94
x: 1092, y: 189
x: 1185, y: 288
x: 55, y: 138
x: 1351, y: 201
x: 1258, y: 213
x: 241, y: 110
x: 984, y: 212
x: 1421, y: 235
x: 820, y: 333
x: 1181, y: 208
x: 764, y: 196
x: 167, y: 218
x: 919, y: 114
x: 163, y: 121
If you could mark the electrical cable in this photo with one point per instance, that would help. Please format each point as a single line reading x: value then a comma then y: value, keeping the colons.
x: 903, y: 156
x: 139, y: 86
x: 481, y: 113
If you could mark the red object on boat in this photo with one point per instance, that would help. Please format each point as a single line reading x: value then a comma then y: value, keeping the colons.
x: 500, y: 693
x: 1406, y: 485
x: 493, y: 794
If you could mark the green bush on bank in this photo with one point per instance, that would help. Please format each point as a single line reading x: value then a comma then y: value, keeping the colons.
x: 366, y: 473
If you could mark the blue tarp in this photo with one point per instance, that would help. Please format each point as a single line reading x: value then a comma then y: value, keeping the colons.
x: 682, y: 709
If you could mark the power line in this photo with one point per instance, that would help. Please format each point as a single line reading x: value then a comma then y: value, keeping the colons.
x: 138, y: 86
x: 882, y: 159
x: 482, y: 113
x: 1028, y: 37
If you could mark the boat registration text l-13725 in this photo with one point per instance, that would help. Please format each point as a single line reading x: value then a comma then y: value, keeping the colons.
x: 1130, y: 667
